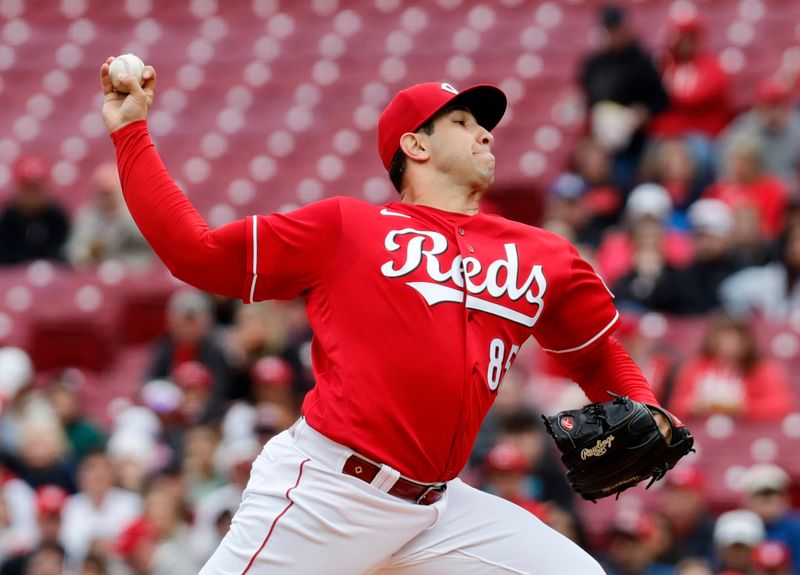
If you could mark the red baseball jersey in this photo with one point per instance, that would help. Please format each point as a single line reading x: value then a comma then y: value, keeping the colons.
x: 417, y: 315
x: 417, y: 312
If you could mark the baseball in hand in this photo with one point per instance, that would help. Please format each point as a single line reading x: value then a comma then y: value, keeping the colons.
x: 125, y: 64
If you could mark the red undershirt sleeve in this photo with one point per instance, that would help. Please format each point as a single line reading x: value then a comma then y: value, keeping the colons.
x: 211, y: 260
x: 605, y: 367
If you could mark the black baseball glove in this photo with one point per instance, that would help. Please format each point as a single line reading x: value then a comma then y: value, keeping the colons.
x: 611, y: 446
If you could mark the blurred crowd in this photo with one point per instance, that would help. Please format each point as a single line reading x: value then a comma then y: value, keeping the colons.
x: 686, y: 206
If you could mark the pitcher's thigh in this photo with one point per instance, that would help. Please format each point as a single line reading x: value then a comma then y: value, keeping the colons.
x: 298, y: 517
x: 480, y: 534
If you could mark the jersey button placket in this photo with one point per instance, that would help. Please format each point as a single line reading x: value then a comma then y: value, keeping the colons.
x: 462, y: 232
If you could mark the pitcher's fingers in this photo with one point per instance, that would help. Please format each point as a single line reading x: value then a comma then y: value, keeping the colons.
x: 131, y: 85
x: 149, y: 76
x: 105, y: 78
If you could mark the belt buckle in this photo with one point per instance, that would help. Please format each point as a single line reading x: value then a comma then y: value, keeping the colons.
x: 429, y: 489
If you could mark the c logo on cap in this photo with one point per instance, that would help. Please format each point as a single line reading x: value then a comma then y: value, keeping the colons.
x: 448, y: 88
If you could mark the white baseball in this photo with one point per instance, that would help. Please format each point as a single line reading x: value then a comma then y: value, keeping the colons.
x: 125, y: 64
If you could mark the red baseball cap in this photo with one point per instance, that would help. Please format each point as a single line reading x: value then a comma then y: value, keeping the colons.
x: 506, y: 457
x: 30, y: 170
x: 272, y: 371
x: 50, y: 499
x: 771, y: 555
x: 192, y: 375
x: 686, y: 18
x: 773, y: 91
x: 140, y: 530
x: 687, y: 477
x: 412, y: 107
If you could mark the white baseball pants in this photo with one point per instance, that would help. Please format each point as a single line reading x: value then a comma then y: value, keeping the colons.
x: 301, y: 516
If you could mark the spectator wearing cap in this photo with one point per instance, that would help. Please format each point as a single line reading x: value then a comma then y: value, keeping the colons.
x: 623, y: 91
x: 272, y: 408
x: 50, y: 500
x: 135, y: 545
x: 272, y: 378
x: 775, y: 124
x: 684, y: 504
x: 711, y: 222
x: 729, y: 375
x: 648, y: 210
x: 165, y: 511
x: 178, y: 405
x: 260, y: 330
x: 765, y: 488
x: 569, y: 212
x: 772, y: 558
x: 93, y: 517
x: 736, y: 534
x: 505, y: 470
x: 191, y: 337
x: 104, y: 229
x: 523, y: 429
x: 195, y: 382
x: 697, y: 86
x: 631, y: 549
x: 142, y: 550
x: 770, y: 291
x: 640, y: 262
x: 745, y: 183
x: 32, y: 224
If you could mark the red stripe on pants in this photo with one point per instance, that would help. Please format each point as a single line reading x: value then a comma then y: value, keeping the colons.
x: 275, y: 522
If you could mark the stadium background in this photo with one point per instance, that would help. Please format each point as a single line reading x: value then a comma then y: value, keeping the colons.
x: 268, y: 105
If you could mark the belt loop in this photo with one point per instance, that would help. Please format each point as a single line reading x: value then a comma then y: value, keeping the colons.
x: 385, y: 478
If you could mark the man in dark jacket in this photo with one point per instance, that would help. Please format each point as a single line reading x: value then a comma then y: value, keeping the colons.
x: 623, y: 91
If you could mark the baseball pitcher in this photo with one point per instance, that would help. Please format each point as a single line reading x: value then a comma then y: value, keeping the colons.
x: 419, y: 308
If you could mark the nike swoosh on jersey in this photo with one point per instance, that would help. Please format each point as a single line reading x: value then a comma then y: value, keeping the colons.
x: 385, y: 212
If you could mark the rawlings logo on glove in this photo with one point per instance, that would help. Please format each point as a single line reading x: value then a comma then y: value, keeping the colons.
x: 611, y: 446
x: 599, y: 449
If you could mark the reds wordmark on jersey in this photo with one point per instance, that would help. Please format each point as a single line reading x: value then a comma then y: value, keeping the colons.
x: 395, y: 294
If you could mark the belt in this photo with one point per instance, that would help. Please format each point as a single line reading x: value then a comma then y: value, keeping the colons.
x: 420, y: 493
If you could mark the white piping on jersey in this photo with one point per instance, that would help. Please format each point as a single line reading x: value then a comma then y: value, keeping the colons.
x: 255, y: 258
x: 385, y: 212
x: 590, y: 342
x: 434, y: 293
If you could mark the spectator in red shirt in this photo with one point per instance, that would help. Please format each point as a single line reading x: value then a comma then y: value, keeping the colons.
x: 745, y: 183
x: 775, y: 123
x: 729, y: 375
x: 696, y: 84
x: 506, y: 469
x: 684, y: 505
x: 697, y: 87
x: 647, y: 215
